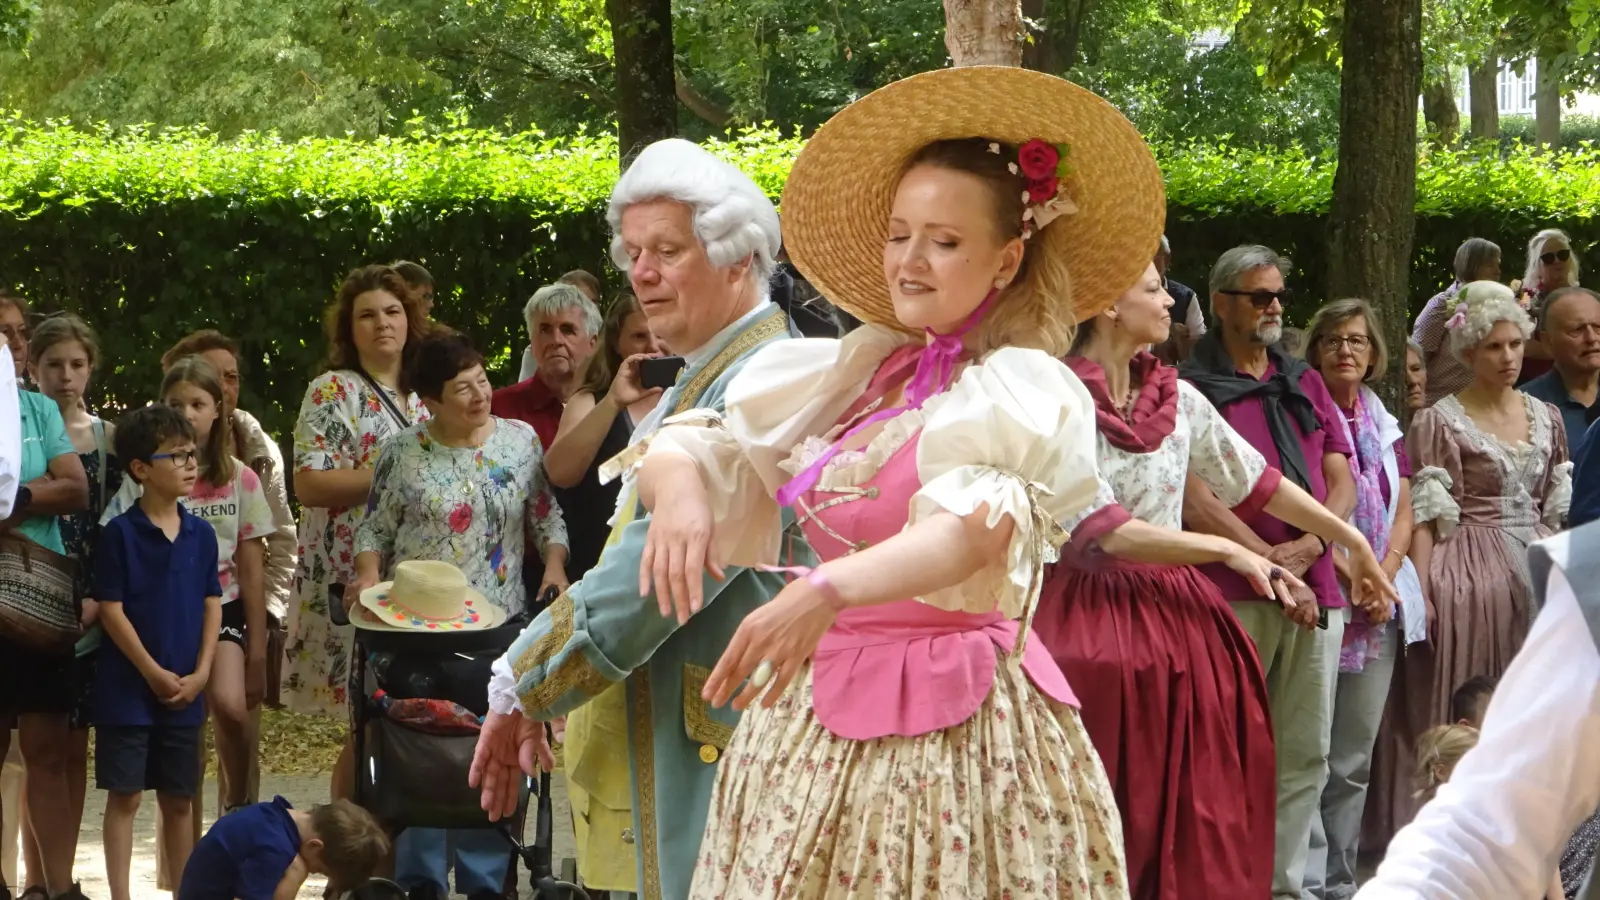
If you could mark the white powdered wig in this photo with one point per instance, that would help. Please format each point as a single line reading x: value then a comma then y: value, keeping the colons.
x: 1487, y: 303
x: 733, y: 218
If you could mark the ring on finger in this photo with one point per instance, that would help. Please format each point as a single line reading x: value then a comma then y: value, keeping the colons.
x: 762, y: 674
x: 1276, y: 574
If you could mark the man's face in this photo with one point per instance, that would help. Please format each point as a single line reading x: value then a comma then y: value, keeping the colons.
x: 1572, y: 332
x: 1242, y: 319
x: 685, y: 297
x: 561, y: 344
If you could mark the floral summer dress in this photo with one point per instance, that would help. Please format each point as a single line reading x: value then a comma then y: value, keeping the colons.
x: 916, y: 755
x: 341, y: 424
x: 474, y: 507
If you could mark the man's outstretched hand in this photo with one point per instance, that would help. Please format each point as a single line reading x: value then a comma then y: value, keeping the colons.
x: 507, y: 748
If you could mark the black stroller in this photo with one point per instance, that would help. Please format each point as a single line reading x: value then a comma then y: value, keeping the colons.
x: 408, y: 778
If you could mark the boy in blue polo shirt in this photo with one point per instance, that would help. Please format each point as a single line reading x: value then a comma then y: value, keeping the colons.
x: 265, y: 851
x: 161, y: 605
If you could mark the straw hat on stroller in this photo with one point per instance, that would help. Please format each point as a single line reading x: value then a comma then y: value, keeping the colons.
x: 837, y: 201
x: 426, y: 596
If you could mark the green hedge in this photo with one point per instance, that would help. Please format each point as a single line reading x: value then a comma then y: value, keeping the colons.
x: 152, y: 234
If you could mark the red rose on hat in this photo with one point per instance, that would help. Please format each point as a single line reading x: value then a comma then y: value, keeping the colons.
x: 1043, y: 190
x: 1038, y: 161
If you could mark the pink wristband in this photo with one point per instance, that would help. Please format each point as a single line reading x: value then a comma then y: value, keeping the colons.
x: 830, y: 594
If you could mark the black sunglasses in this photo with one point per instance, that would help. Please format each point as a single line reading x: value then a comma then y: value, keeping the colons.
x: 1263, y: 299
x: 1552, y: 256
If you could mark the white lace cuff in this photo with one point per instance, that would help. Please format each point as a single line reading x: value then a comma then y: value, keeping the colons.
x: 1558, y: 502
x: 503, y: 688
x: 1431, y: 500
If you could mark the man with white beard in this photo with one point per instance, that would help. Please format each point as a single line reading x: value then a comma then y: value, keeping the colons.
x: 1282, y: 408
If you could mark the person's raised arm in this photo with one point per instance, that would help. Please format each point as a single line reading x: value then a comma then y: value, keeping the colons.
x: 587, y: 420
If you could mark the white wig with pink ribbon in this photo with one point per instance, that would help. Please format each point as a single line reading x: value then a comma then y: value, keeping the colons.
x: 1479, y: 307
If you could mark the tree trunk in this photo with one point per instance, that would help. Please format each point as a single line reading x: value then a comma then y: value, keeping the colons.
x: 982, y: 32
x: 1373, y: 215
x: 1483, y: 86
x: 1547, y: 103
x: 1439, y: 108
x: 1039, y: 54
x: 647, y: 100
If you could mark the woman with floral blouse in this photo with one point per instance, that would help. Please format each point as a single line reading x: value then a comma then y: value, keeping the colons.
x: 469, y: 489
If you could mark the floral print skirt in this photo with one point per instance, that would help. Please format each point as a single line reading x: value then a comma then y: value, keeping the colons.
x: 1012, y: 803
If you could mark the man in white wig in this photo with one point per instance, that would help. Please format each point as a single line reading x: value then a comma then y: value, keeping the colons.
x: 1498, y: 828
x: 698, y: 239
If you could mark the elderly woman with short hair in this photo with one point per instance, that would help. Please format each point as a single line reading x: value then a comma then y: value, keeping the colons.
x: 1477, y: 259
x: 1345, y: 343
x: 467, y: 488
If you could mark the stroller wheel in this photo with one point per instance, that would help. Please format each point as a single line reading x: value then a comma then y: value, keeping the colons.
x: 377, y: 889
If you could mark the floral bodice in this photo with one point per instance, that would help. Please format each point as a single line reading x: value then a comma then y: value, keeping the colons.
x: 1150, y: 485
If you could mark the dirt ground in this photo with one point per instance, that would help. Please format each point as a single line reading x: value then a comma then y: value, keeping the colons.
x: 301, y: 790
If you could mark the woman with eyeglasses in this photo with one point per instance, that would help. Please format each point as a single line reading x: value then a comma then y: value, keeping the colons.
x: 1346, y: 345
x: 1552, y: 265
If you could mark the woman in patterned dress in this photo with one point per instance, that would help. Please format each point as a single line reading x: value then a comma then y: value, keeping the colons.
x: 360, y: 400
x: 928, y: 747
x: 1173, y: 693
x: 466, y: 488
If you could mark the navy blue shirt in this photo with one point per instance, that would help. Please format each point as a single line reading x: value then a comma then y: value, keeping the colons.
x: 1551, y: 389
x: 243, y: 856
x: 162, y: 585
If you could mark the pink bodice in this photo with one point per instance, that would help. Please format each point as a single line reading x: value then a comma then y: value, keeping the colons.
x: 903, y: 668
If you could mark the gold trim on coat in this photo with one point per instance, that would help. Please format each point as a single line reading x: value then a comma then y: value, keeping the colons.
x: 697, y: 721
x: 644, y: 767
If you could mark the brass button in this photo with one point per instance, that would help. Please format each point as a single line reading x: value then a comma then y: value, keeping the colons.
x: 627, y: 835
x: 708, y: 754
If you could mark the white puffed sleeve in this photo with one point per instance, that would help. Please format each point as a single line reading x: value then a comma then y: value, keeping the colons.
x: 788, y: 391
x: 1558, y: 501
x: 1017, y: 433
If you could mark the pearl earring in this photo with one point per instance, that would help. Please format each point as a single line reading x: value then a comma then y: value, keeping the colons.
x: 999, y: 284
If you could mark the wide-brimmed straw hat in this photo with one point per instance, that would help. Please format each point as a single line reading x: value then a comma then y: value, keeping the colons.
x: 837, y: 201
x: 426, y: 596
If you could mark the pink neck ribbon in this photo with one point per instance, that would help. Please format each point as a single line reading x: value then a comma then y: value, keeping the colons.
x: 936, y: 367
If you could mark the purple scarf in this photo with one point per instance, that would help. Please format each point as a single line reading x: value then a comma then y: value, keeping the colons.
x: 1371, y: 518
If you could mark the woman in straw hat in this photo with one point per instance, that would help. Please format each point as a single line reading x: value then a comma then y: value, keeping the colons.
x: 927, y: 748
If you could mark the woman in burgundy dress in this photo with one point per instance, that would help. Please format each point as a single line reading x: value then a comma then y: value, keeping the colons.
x: 1172, y: 690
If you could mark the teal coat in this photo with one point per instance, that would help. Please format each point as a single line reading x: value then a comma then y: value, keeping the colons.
x: 601, y: 632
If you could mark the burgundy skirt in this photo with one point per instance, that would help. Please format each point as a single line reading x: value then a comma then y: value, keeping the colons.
x: 1174, y: 699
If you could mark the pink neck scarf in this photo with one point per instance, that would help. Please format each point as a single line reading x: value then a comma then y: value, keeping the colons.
x: 936, y: 367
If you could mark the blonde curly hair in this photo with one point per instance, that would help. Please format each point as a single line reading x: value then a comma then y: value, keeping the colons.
x: 1487, y: 304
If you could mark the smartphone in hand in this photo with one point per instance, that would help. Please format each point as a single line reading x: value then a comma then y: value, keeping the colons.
x: 660, y: 372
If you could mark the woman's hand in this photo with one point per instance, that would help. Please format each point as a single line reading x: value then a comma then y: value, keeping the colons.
x: 626, y: 388
x: 678, y: 546
x: 555, y: 575
x: 1372, y: 589
x: 90, y: 613
x: 1392, y: 562
x: 363, y: 581
x: 783, y: 633
x: 1266, y: 578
